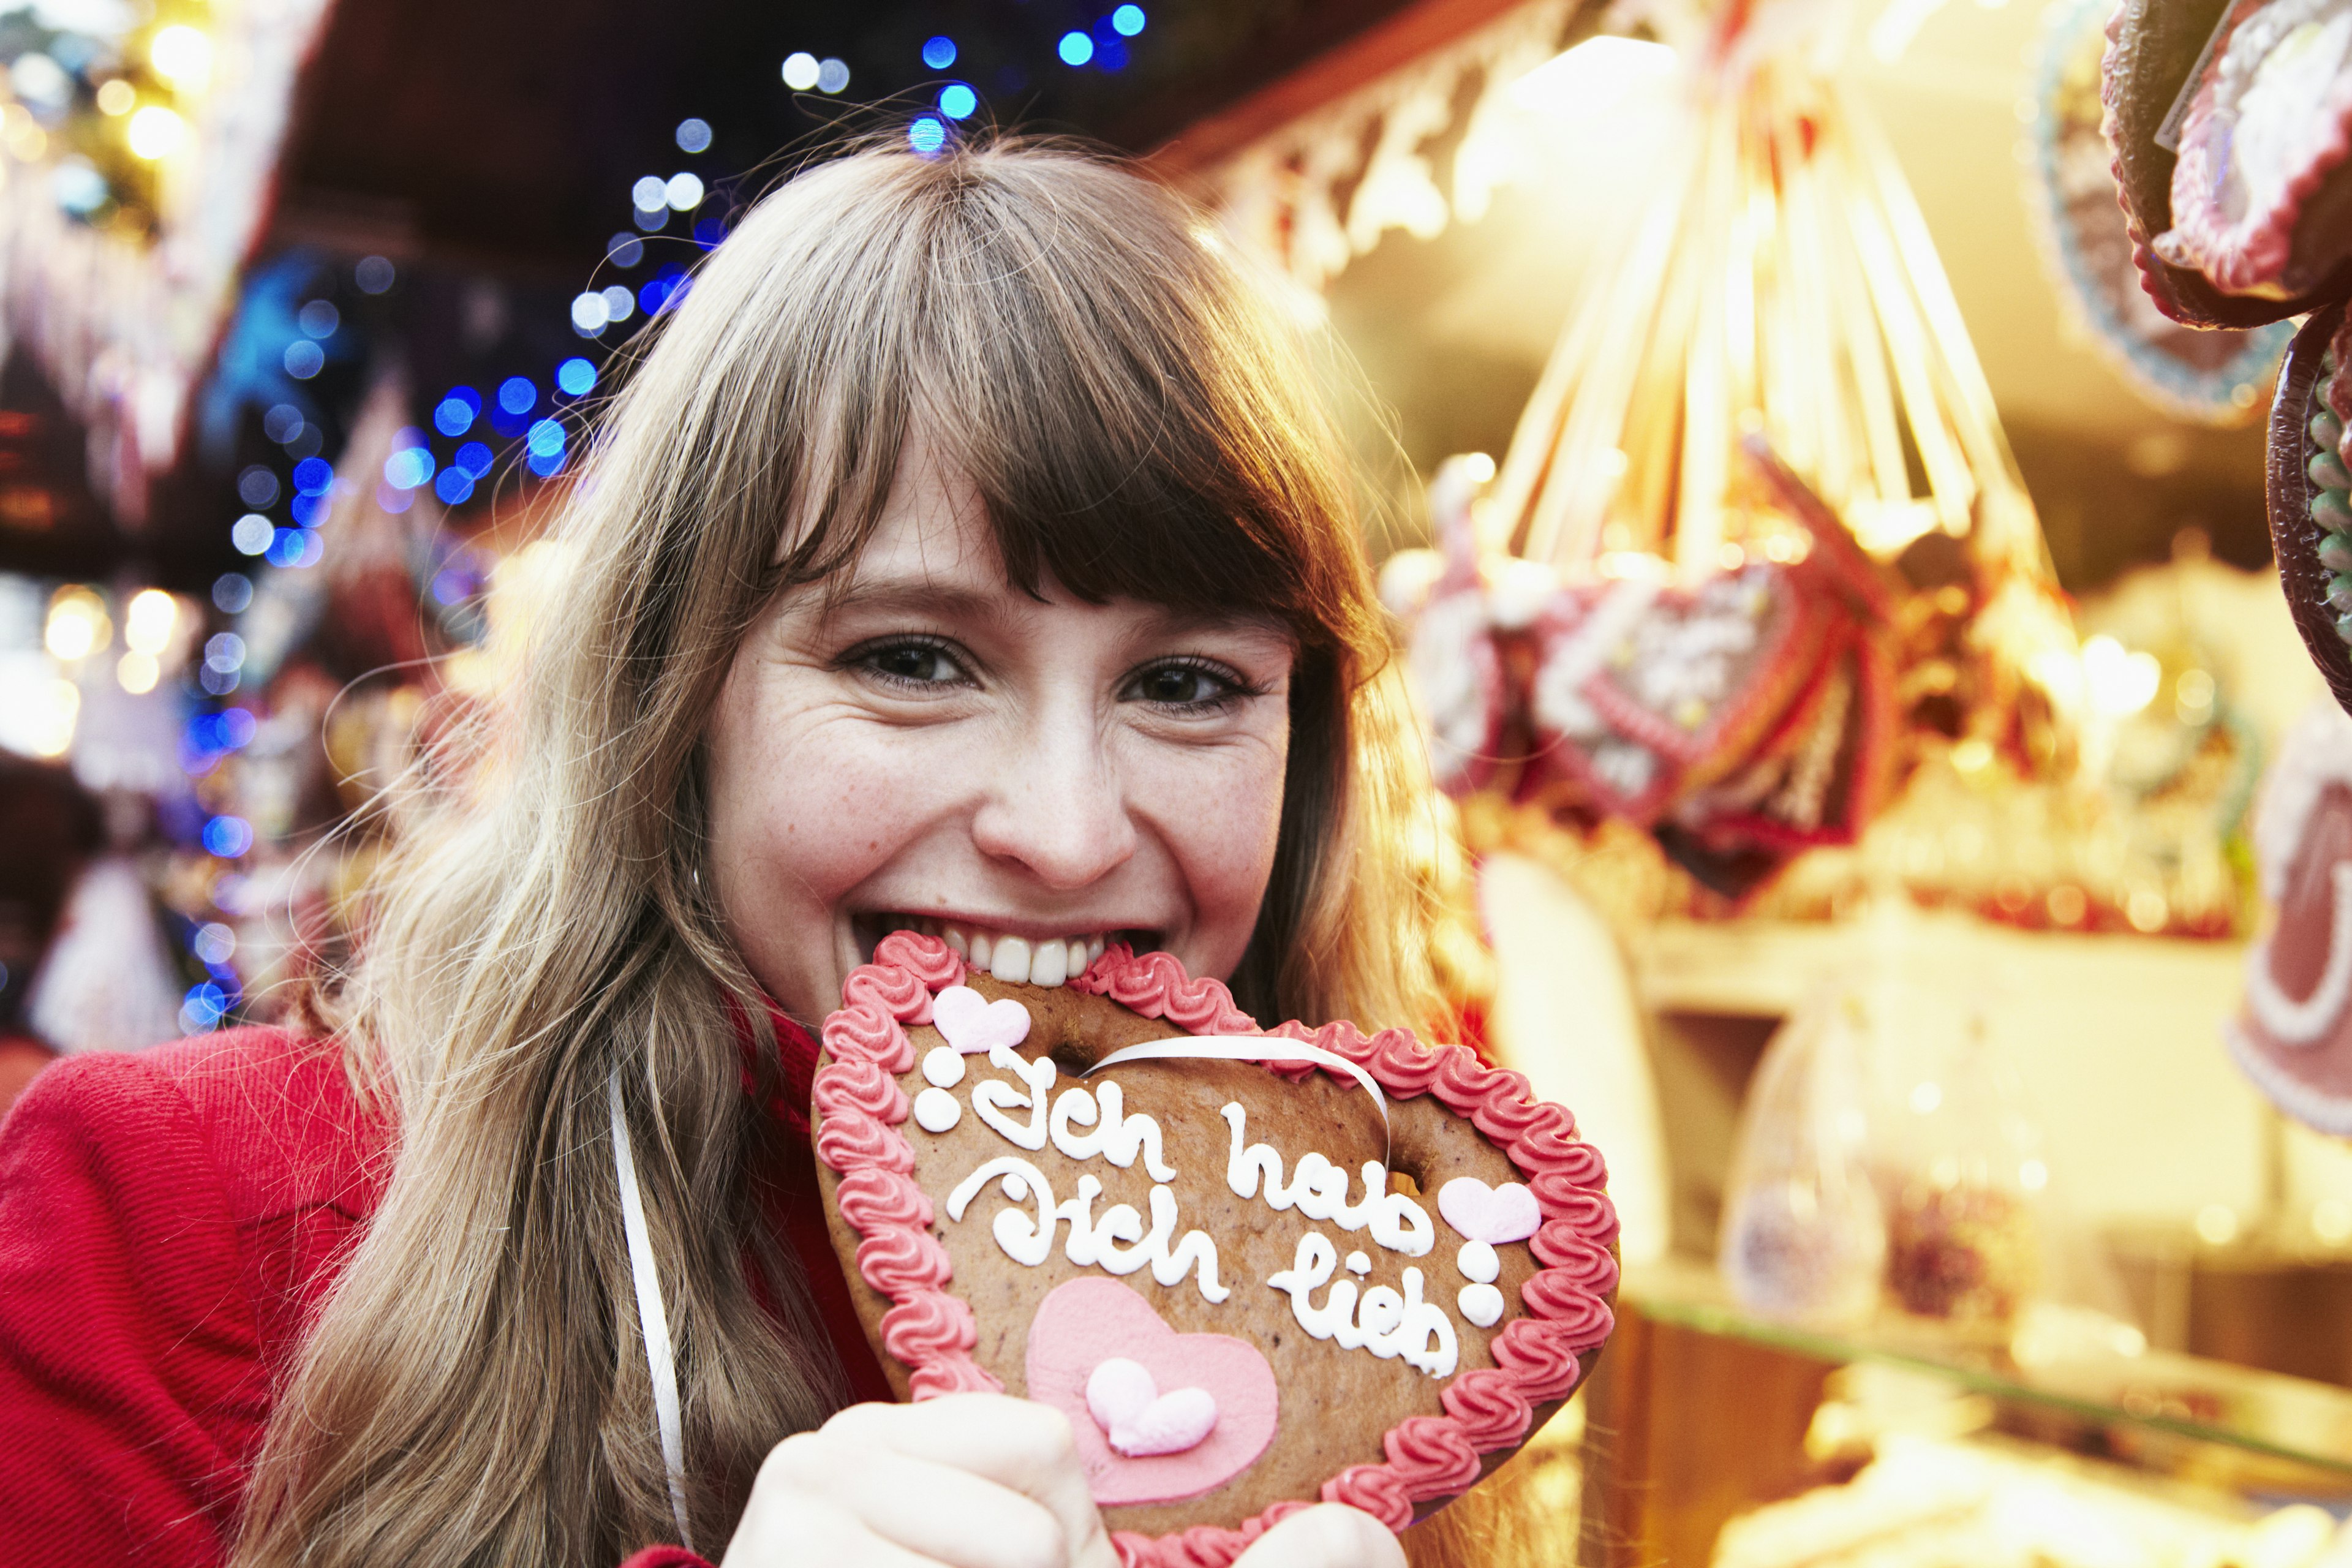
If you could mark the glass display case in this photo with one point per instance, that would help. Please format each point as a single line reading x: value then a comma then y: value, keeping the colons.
x: 1702, y: 1412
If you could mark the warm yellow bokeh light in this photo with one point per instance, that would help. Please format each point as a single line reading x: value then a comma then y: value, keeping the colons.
x: 147, y: 621
x: 181, y: 56
x: 156, y: 133
x: 78, y: 625
x: 117, y: 97
x: 138, y: 672
x: 57, y: 705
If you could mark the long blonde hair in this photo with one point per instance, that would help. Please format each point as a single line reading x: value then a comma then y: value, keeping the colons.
x: 474, y: 1391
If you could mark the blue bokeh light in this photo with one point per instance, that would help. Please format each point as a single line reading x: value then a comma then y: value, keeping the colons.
x: 451, y: 416
x: 474, y: 457
x: 1128, y: 21
x: 408, y: 467
x: 517, y: 395
x: 304, y: 359
x: 453, y: 485
x: 1110, y: 52
x: 546, y: 465
x: 313, y: 476
x: 928, y: 134
x: 201, y: 1010
x: 546, y: 438
x: 252, y: 533
x: 1076, y: 48
x: 227, y: 837
x: 939, y: 53
x: 309, y: 510
x: 575, y: 378
x: 957, y: 101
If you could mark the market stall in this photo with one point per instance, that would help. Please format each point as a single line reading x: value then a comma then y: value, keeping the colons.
x: 1979, y: 1231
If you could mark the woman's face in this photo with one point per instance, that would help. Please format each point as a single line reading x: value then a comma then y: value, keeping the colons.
x: 934, y: 749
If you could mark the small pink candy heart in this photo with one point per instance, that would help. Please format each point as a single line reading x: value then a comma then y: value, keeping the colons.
x: 1138, y: 1420
x: 973, y: 1024
x: 1491, y: 1215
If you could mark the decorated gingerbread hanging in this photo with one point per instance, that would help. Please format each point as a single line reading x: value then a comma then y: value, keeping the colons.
x: 2294, y: 1032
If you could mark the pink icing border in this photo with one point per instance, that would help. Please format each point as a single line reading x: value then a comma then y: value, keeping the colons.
x: 931, y: 1331
x: 2255, y: 251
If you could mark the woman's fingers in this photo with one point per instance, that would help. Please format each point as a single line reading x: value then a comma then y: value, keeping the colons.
x: 929, y: 1512
x: 1016, y: 1442
x: 1330, y: 1535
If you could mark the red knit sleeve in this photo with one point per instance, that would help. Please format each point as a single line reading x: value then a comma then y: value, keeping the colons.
x: 664, y: 1557
x: 132, y: 1388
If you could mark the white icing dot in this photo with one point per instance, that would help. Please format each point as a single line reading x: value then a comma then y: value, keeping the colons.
x: 936, y: 1110
x: 943, y: 1066
x: 1477, y: 1261
x: 1359, y: 1263
x: 1481, y: 1304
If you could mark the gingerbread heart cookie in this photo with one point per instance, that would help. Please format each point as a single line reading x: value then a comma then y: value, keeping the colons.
x: 1255, y: 1270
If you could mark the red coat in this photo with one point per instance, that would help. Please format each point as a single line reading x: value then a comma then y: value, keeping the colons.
x: 169, y: 1223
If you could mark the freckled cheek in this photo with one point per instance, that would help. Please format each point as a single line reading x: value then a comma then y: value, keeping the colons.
x: 1223, y: 823
x: 832, y: 811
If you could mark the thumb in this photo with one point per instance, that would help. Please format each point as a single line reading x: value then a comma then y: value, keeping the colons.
x: 1329, y: 1535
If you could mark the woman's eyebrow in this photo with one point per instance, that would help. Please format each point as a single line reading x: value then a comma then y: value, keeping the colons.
x: 919, y: 595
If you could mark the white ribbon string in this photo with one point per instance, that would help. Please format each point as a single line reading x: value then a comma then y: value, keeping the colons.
x: 1250, y: 1048
x: 651, y: 1317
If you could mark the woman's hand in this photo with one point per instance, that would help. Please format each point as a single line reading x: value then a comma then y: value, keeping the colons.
x: 974, y: 1480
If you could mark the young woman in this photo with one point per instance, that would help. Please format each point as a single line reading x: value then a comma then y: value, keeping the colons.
x: 968, y: 547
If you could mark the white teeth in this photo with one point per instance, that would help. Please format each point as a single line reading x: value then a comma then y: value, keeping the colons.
x: 1056, y: 961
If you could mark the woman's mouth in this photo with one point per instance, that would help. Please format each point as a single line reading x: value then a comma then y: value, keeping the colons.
x: 1016, y: 960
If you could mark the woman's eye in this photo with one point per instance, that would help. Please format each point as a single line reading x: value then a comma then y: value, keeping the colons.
x: 1185, y: 686
x: 911, y: 663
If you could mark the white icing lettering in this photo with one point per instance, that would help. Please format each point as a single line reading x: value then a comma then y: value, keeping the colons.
x: 1169, y: 1265
x: 1319, y: 1189
x: 1091, y: 1243
x: 992, y: 1096
x: 1385, y: 1322
x: 1117, y: 1137
x: 1024, y: 1240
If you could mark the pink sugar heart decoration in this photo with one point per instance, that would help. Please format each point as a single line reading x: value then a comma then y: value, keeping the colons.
x: 973, y: 1024
x: 1491, y: 1215
x: 1219, y: 1418
x: 1139, y: 1420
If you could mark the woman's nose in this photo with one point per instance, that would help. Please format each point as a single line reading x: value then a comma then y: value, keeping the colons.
x: 1058, y: 809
